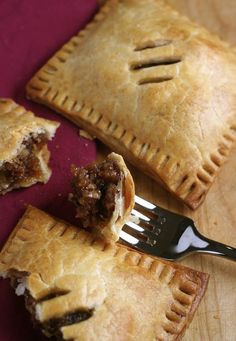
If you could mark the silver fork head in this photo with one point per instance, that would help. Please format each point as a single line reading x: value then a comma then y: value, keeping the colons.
x: 168, y: 235
x: 156, y: 231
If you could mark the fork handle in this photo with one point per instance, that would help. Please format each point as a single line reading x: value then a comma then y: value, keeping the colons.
x: 217, y: 249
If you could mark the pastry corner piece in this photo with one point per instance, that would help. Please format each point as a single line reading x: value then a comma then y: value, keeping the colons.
x: 23, y: 146
x: 79, y: 288
x: 152, y: 85
x: 103, y: 194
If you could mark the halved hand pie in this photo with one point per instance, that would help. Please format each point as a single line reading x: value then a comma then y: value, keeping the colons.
x: 80, y: 288
x: 153, y: 86
x: 23, y: 146
x: 104, y: 196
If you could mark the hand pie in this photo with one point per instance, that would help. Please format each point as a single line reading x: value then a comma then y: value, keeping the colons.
x: 104, y: 196
x: 82, y: 289
x: 23, y: 147
x: 153, y: 86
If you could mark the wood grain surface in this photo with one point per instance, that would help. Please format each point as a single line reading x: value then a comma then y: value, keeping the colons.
x: 216, y: 218
x: 215, y: 319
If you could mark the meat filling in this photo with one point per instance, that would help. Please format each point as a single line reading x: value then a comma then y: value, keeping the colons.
x: 52, y: 326
x: 26, y: 165
x: 95, y: 188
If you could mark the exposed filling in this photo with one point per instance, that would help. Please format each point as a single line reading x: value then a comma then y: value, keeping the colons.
x: 25, y: 166
x: 52, y: 326
x: 95, y: 189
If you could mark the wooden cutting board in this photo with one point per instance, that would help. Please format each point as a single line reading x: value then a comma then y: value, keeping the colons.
x: 216, y: 218
x: 215, y: 319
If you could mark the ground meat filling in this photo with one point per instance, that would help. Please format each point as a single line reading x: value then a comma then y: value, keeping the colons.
x: 25, y: 165
x: 52, y: 326
x: 95, y: 188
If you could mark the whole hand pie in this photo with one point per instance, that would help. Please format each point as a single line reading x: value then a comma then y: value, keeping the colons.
x: 23, y: 146
x: 104, y: 196
x: 153, y: 86
x: 82, y: 289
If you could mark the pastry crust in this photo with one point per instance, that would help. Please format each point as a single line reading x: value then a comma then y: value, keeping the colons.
x: 152, y: 85
x: 123, y: 200
x: 130, y: 295
x: 17, y: 126
x: 124, y: 205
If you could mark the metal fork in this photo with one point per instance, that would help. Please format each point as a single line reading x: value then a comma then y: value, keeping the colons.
x: 165, y: 234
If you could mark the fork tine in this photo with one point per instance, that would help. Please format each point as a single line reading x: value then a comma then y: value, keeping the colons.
x: 150, y: 236
x: 135, y: 226
x: 161, y: 213
x: 134, y: 242
x: 144, y: 219
x: 150, y: 208
x: 126, y: 237
x: 140, y: 215
x: 144, y: 203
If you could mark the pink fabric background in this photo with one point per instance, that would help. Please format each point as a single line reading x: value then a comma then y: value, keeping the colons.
x: 30, y: 32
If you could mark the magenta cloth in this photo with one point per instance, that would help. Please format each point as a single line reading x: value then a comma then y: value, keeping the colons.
x: 30, y: 32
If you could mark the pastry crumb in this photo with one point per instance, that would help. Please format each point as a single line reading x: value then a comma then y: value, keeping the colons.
x: 86, y: 135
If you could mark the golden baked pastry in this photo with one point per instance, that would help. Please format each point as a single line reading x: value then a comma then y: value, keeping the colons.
x: 82, y: 289
x: 104, y: 196
x: 23, y: 149
x: 153, y: 86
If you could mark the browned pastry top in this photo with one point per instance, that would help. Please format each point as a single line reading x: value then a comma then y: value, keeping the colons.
x: 131, y: 296
x: 154, y: 86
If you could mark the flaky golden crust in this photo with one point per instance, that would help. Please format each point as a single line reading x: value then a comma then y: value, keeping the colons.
x: 16, y: 125
x: 175, y: 119
x: 151, y: 85
x: 123, y: 205
x: 132, y: 296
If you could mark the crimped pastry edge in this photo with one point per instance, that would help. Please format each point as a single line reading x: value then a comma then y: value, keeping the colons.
x: 191, y: 188
x: 128, y: 255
